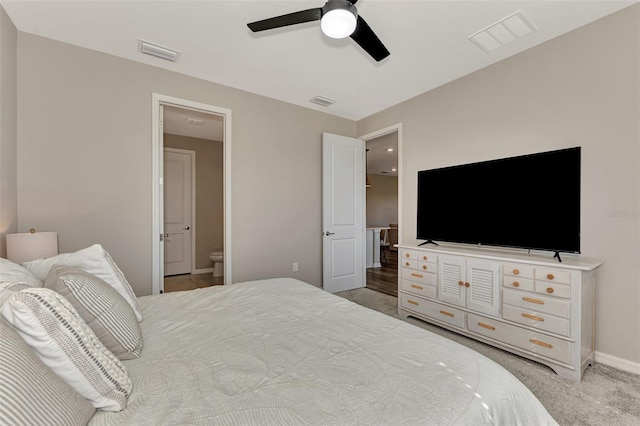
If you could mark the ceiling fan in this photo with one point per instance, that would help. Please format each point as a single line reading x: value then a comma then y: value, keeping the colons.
x: 338, y: 19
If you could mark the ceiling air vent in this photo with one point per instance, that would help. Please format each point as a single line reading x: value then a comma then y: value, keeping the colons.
x: 503, y: 32
x: 322, y: 101
x: 158, y: 51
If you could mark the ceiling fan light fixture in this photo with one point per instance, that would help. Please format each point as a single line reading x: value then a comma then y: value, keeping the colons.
x: 338, y: 23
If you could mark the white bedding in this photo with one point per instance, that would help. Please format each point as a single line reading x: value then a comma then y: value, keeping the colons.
x: 284, y: 352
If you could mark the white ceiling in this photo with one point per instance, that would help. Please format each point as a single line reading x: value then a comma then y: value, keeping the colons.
x: 427, y: 39
x: 175, y: 122
x: 381, y: 161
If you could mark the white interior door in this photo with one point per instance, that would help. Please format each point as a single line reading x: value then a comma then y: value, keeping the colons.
x: 342, y: 213
x: 178, y: 171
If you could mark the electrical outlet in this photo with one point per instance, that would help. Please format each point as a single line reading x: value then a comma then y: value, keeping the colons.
x: 295, y: 266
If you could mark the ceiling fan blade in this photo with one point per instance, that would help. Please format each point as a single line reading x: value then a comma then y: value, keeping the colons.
x: 285, y: 20
x: 369, y: 41
x: 353, y: 1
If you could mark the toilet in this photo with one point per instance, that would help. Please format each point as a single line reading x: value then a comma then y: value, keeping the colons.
x: 217, y: 257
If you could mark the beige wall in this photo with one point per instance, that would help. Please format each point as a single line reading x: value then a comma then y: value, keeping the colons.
x: 209, y: 194
x: 382, y: 200
x: 84, y: 163
x: 581, y: 89
x: 8, y: 129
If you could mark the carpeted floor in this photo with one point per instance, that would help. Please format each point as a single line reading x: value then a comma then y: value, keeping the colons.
x: 606, y: 396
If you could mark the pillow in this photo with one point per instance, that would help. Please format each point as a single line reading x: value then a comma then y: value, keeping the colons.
x: 8, y: 288
x: 64, y: 343
x: 94, y: 260
x: 12, y: 272
x: 30, y: 393
x: 101, y: 307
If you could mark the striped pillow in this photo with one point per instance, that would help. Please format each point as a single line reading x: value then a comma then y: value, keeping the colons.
x: 101, y: 307
x: 30, y: 394
x: 64, y: 342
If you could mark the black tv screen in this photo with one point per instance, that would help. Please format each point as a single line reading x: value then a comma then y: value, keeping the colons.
x: 530, y: 201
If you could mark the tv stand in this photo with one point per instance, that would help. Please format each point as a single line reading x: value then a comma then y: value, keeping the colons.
x: 526, y: 304
x: 428, y: 242
x: 557, y: 256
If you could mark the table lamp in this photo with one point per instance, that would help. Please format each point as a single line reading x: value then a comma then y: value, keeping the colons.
x: 31, y: 245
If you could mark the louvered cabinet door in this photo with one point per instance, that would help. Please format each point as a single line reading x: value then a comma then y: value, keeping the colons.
x: 451, y: 273
x: 483, y: 293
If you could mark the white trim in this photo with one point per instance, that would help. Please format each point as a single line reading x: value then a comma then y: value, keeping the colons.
x: 619, y: 363
x: 376, y: 134
x: 191, y: 154
x: 157, y: 100
x: 202, y: 271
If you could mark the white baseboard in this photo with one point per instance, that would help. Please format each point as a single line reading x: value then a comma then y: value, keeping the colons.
x: 619, y: 363
x: 202, y: 271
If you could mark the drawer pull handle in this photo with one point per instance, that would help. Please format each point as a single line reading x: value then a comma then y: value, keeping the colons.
x: 533, y: 317
x: 460, y: 283
x: 549, y: 290
x: 531, y: 300
x: 413, y: 302
x: 407, y: 264
x: 550, y: 276
x: 467, y: 284
x: 516, y: 284
x: 487, y: 326
x: 425, y: 258
x: 407, y: 255
x: 538, y: 342
x: 516, y: 272
x: 449, y: 314
x: 424, y: 267
x: 413, y: 274
x: 417, y: 287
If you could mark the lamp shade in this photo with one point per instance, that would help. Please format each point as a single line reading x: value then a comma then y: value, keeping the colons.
x: 30, y: 246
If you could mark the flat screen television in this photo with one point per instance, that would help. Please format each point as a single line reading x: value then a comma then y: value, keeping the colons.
x: 530, y: 201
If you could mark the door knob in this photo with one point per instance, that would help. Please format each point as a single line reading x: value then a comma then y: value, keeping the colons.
x: 329, y: 233
x: 186, y: 228
x: 163, y: 236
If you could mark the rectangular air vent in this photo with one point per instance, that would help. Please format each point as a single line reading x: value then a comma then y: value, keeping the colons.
x: 322, y: 100
x: 502, y: 32
x: 158, y: 51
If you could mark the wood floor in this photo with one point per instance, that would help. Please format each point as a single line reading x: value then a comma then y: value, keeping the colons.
x: 190, y: 282
x: 385, y: 279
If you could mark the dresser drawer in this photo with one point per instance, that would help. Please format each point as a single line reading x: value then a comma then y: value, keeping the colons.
x: 427, y: 257
x: 409, y: 263
x: 516, y: 270
x: 423, y: 290
x: 434, y: 310
x: 428, y: 266
x: 418, y: 276
x: 408, y: 254
x: 518, y: 283
x: 553, y: 275
x: 536, y: 302
x: 553, y: 289
x: 535, y: 319
x: 531, y: 341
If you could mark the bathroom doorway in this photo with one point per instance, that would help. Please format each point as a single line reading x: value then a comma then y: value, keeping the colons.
x: 191, y: 160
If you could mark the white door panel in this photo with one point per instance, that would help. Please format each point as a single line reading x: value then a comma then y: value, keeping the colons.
x: 178, y: 183
x: 342, y: 212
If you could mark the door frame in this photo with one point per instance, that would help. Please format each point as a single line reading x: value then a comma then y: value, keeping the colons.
x: 158, y: 100
x: 192, y: 155
x: 376, y: 134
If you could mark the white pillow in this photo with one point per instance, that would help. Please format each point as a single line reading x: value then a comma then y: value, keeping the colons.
x: 48, y: 323
x: 94, y: 260
x: 12, y: 272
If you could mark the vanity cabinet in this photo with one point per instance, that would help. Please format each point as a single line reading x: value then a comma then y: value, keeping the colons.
x: 530, y: 305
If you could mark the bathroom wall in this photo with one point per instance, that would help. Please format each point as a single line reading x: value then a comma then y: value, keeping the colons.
x: 382, y: 200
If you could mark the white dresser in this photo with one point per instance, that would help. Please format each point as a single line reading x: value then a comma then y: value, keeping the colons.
x: 531, y: 305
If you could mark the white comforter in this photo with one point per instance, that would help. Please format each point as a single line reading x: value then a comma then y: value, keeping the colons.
x: 282, y: 352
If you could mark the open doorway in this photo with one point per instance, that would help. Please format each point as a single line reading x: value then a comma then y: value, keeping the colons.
x: 383, y: 208
x: 192, y: 198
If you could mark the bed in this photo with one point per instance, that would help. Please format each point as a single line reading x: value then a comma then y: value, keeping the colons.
x: 78, y: 347
x: 281, y: 351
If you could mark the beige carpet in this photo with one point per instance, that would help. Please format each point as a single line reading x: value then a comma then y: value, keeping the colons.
x: 606, y: 396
